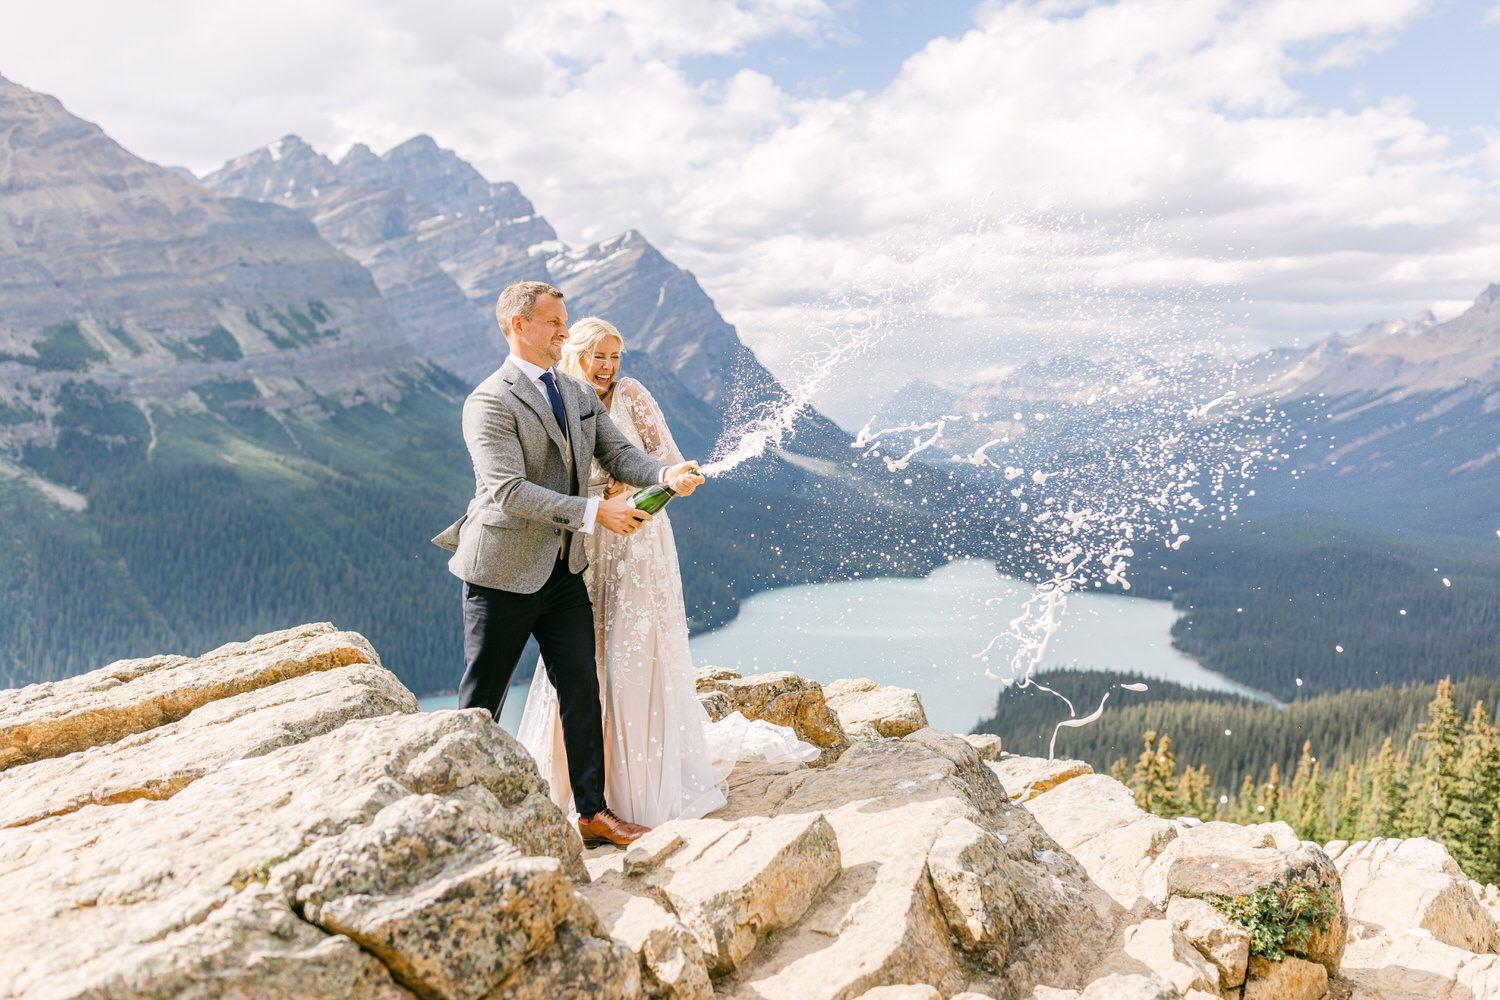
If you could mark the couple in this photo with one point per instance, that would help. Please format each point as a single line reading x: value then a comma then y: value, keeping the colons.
x: 613, y: 717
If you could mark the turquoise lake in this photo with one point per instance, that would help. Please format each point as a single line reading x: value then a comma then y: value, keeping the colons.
x: 923, y: 634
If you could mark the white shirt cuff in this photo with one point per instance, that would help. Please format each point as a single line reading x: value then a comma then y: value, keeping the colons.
x: 589, y: 516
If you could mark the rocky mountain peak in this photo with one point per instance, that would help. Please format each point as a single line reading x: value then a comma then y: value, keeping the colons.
x: 288, y: 171
x: 149, y: 285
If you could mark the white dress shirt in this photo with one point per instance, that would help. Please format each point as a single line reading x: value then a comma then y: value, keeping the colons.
x: 535, y: 372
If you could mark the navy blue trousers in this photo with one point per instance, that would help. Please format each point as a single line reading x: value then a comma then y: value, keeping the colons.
x: 496, y: 626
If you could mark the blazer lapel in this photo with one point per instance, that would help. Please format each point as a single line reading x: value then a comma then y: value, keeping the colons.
x: 581, y: 456
x: 532, y: 397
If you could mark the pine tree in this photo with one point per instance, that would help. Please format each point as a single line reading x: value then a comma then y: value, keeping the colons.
x: 1477, y: 846
x: 1390, y: 790
x: 1154, y: 779
x: 1270, y: 798
x: 1195, y: 793
x: 1434, y: 809
x: 1349, y: 819
x: 1242, y: 808
x: 1304, y: 801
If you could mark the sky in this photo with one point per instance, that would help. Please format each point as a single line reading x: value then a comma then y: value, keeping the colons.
x: 962, y: 185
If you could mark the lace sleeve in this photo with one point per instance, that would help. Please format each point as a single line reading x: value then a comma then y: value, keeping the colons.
x: 648, y: 419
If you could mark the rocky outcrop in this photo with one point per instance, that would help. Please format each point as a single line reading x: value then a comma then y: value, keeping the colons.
x: 875, y: 710
x: 275, y: 818
x: 1395, y: 885
x: 780, y: 697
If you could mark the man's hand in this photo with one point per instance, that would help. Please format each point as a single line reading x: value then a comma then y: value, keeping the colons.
x: 684, y: 478
x: 618, y: 516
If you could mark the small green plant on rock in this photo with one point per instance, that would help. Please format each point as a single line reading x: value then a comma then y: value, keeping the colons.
x: 1279, y: 921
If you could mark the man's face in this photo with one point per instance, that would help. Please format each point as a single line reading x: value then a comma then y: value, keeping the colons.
x: 540, y: 339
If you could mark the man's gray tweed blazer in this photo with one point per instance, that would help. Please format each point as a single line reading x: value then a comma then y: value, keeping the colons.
x: 525, y: 496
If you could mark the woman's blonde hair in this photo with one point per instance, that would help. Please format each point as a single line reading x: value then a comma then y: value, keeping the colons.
x: 583, y: 337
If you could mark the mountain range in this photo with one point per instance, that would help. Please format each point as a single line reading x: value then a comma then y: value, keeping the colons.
x: 233, y: 404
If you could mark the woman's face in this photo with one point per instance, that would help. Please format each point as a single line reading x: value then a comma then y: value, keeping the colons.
x: 602, y: 364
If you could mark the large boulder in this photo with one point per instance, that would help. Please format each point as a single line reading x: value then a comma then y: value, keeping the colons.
x: 1415, y: 884
x: 891, y: 712
x: 893, y: 805
x: 780, y: 697
x: 730, y: 883
x: 1292, y: 978
x: 1413, y: 965
x: 134, y: 696
x: 1214, y: 860
x: 1027, y: 777
x: 1220, y: 940
x: 284, y: 838
x: 1095, y: 818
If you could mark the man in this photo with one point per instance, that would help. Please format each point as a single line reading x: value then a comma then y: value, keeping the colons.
x: 531, y: 434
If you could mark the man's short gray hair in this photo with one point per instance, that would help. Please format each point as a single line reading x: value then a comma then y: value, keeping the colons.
x: 520, y: 300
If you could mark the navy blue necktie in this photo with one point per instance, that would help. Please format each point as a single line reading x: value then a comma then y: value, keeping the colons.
x: 555, y: 399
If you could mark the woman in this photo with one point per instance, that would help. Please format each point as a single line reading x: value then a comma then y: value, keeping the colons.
x: 665, y: 758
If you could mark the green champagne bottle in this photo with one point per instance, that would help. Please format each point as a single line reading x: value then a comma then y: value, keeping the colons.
x: 652, y: 499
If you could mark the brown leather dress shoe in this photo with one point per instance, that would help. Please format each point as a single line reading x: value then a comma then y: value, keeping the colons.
x: 607, y: 828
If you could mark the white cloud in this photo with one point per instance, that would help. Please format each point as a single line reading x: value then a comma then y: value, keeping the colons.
x: 1116, y: 169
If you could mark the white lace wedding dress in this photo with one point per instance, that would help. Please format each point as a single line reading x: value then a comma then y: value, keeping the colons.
x: 665, y: 759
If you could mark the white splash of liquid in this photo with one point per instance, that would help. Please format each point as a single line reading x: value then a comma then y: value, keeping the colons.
x: 1139, y: 472
x: 865, y: 329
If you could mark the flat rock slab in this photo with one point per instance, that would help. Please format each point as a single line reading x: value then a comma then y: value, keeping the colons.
x: 892, y: 712
x: 880, y: 923
x: 1413, y: 965
x: 159, y: 763
x: 1027, y: 777
x: 780, y: 697
x: 133, y: 696
x: 1415, y: 884
x: 126, y: 893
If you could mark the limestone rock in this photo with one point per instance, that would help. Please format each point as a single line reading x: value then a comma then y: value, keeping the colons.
x: 733, y: 883
x: 160, y: 762
x: 252, y: 946
x: 919, y: 992
x: 1400, y: 884
x: 671, y: 961
x: 1200, y: 864
x: 582, y: 963
x: 1117, y: 842
x: 780, y: 697
x: 1130, y: 987
x: 150, y: 888
x: 716, y: 704
x: 976, y: 885
x: 893, y: 711
x: 1027, y: 777
x: 1220, y: 940
x: 1413, y: 965
x: 862, y: 731
x: 987, y: 744
x: 1292, y: 978
x: 1164, y: 950
x: 133, y: 696
x: 880, y: 922
x: 451, y: 910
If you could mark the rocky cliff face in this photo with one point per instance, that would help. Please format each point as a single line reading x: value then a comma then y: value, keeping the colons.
x: 121, y: 273
x: 276, y: 819
x: 441, y: 241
